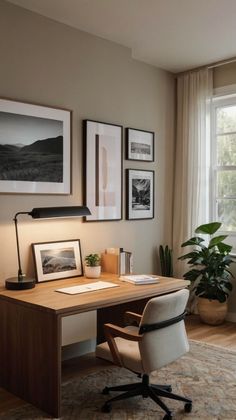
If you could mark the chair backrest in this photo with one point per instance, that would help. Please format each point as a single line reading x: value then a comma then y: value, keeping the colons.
x: 162, y: 346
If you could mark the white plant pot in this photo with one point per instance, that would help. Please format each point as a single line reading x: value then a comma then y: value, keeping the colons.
x: 92, y: 272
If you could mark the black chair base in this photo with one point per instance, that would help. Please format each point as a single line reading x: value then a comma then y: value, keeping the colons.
x: 146, y: 390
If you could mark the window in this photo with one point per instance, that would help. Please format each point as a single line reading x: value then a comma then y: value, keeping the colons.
x: 224, y: 163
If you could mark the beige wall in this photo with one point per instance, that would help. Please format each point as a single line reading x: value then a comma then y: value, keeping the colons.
x: 49, y: 63
x: 224, y: 75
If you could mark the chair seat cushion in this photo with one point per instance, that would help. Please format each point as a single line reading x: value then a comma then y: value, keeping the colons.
x: 128, y: 350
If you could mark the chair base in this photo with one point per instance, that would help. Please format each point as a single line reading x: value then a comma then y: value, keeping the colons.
x: 146, y: 390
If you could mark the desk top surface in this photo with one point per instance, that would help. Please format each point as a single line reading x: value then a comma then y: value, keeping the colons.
x: 44, y: 297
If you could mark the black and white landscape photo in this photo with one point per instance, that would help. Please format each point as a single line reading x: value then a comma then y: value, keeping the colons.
x: 35, y: 143
x: 140, y: 194
x: 57, y: 260
x: 140, y: 145
x: 140, y: 148
x: 31, y: 148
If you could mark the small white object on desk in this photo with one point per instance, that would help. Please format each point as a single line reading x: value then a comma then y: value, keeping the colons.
x: 140, y: 279
x: 89, y: 287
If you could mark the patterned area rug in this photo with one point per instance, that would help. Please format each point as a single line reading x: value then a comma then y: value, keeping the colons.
x: 207, y: 374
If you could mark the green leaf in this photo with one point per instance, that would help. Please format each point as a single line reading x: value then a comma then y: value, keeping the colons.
x: 216, y: 240
x: 224, y: 248
x: 228, y: 286
x: 208, y: 228
x: 193, y: 254
x: 196, y: 240
x: 192, y: 275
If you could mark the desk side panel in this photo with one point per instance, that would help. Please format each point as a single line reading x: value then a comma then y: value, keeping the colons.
x: 30, y: 355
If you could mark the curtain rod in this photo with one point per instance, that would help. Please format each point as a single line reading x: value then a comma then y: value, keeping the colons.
x: 209, y: 66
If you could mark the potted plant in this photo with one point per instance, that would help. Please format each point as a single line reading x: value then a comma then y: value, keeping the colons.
x: 165, y: 254
x: 209, y: 272
x: 92, y: 266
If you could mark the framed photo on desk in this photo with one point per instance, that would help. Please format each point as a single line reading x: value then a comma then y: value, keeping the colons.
x: 57, y: 260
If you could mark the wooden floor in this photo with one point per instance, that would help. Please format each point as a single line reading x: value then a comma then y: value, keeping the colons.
x: 223, y: 335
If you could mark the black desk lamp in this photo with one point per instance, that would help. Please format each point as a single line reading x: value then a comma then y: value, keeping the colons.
x: 21, y: 282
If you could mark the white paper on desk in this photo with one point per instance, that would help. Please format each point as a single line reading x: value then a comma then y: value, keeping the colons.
x: 89, y: 287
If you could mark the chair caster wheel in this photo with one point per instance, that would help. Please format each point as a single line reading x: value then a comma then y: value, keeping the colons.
x: 169, y: 389
x: 105, y: 391
x: 106, y: 408
x: 168, y: 416
x: 188, y: 407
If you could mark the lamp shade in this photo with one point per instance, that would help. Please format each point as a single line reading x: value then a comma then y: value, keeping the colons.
x: 53, y: 212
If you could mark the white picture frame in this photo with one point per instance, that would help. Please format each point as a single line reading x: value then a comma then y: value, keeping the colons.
x: 103, y: 170
x: 57, y: 260
x: 35, y: 145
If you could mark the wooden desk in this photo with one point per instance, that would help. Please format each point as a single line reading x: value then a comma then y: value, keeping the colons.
x: 30, y: 331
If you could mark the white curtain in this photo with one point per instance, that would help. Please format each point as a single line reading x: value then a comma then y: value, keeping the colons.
x: 191, y: 188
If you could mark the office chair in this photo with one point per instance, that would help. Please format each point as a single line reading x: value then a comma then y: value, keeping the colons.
x: 159, y: 339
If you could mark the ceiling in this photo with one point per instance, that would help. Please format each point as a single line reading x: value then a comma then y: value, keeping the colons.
x: 175, y: 35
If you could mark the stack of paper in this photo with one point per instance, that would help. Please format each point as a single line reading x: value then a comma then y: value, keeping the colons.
x: 140, y: 279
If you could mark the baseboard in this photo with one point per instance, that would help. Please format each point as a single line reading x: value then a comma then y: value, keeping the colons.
x: 231, y: 316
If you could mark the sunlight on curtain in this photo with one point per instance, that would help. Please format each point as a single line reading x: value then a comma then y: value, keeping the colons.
x: 191, y: 189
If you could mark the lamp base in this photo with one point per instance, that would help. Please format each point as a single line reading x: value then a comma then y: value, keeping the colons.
x: 13, y: 283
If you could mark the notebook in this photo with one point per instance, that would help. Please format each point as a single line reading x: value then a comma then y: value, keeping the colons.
x: 140, y: 279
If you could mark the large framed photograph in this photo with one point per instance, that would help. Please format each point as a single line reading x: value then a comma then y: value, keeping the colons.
x: 57, y: 260
x: 35, y: 145
x: 139, y: 145
x: 103, y: 170
x: 140, y: 194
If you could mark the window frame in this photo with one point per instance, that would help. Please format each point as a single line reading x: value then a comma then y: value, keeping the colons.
x: 218, y: 101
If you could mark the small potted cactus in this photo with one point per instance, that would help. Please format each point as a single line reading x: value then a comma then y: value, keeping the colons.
x: 92, y: 267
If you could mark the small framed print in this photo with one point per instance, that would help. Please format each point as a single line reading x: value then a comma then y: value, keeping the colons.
x: 35, y: 145
x: 139, y: 145
x: 103, y: 170
x: 57, y: 260
x: 140, y: 194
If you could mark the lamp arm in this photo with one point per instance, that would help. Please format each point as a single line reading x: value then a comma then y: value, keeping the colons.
x: 20, y: 273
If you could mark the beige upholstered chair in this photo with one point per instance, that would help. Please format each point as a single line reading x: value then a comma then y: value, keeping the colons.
x: 159, y: 339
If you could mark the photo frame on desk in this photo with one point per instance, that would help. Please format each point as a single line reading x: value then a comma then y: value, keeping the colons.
x: 139, y: 145
x: 35, y: 144
x: 103, y: 170
x: 57, y: 260
x: 139, y: 194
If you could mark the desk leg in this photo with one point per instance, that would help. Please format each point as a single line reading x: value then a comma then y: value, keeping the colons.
x: 30, y: 355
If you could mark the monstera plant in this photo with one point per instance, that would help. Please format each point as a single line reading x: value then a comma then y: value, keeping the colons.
x: 209, y: 263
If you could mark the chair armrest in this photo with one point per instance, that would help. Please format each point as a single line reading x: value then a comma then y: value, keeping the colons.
x: 115, y: 331
x: 132, y: 317
x: 111, y: 331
